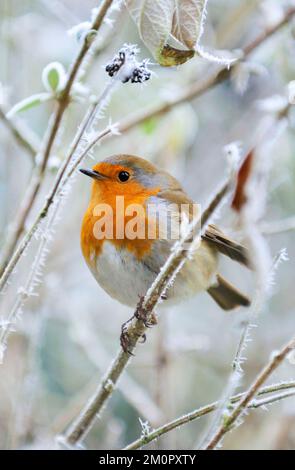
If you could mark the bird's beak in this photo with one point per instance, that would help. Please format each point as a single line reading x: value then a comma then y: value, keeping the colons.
x: 93, y: 174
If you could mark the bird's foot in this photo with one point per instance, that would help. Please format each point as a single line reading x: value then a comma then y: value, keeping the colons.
x: 148, y: 319
x: 124, y: 337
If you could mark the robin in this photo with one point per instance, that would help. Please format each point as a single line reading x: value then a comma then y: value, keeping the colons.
x: 125, y: 252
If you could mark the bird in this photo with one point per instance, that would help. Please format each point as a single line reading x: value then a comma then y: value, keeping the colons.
x: 121, y: 253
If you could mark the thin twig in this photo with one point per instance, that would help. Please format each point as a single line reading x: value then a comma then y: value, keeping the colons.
x: 238, y: 411
x: 204, y: 410
x: 191, y: 91
x: 22, y: 134
x: 48, y: 141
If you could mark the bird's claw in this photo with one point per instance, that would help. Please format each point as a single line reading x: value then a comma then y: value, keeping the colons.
x: 125, y: 341
x: 145, y: 317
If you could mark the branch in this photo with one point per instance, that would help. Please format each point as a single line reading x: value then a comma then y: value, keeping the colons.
x: 204, y: 410
x: 136, y: 328
x: 22, y: 134
x: 243, y: 403
x: 48, y: 141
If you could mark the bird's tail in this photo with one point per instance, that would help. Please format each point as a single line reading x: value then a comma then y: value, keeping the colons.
x: 226, y: 295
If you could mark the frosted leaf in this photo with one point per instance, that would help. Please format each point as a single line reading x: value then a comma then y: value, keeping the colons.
x: 28, y: 103
x: 154, y: 22
x: 188, y: 21
x: 54, y: 77
x: 78, y: 31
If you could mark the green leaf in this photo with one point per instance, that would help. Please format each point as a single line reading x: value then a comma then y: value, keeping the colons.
x: 149, y: 126
x: 54, y: 77
x: 30, y: 102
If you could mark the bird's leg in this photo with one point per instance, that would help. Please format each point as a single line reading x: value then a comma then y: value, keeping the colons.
x: 148, y: 319
x: 124, y: 337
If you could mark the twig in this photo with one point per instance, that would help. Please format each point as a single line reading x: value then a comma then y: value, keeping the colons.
x: 204, y: 410
x: 22, y: 134
x: 137, y: 326
x: 232, y: 418
x: 192, y: 91
x: 49, y: 139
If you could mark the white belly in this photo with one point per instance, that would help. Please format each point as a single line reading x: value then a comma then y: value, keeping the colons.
x: 126, y: 279
x: 120, y: 274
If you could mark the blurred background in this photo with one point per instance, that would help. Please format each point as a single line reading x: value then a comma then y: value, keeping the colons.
x: 68, y: 333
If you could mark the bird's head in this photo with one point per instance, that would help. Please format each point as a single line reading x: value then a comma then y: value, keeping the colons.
x: 128, y: 176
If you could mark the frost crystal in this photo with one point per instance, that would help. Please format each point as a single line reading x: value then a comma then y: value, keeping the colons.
x: 125, y: 66
x: 145, y: 427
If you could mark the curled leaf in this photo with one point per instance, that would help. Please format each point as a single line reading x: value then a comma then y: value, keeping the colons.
x: 169, y: 56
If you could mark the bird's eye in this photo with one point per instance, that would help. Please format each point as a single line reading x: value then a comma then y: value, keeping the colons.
x: 123, y: 176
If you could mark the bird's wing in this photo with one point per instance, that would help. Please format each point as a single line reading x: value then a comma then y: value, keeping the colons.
x: 213, y: 235
x: 226, y: 245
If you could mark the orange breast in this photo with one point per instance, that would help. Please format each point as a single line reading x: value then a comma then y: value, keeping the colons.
x: 108, y: 193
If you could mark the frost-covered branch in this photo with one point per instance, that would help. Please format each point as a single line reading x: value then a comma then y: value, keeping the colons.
x: 243, y: 403
x: 276, y: 393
